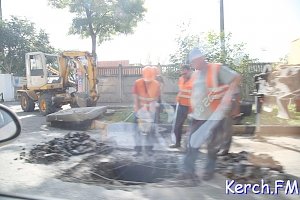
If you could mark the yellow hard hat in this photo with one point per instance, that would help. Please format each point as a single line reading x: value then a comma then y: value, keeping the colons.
x: 149, y: 73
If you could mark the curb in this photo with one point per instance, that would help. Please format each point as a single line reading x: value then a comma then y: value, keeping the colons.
x: 266, y: 130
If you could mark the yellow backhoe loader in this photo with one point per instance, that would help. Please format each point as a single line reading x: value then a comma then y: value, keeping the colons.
x: 56, y: 80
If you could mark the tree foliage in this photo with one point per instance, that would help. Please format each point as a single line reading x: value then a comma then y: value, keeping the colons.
x: 235, y: 55
x: 185, y: 42
x: 17, y: 37
x: 102, y: 19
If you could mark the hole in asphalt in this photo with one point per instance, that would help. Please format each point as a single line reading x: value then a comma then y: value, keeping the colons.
x: 138, y: 173
x: 113, y: 166
x: 144, y: 173
x: 124, y: 169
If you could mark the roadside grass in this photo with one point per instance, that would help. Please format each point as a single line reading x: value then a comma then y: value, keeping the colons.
x: 126, y: 115
x: 270, y: 118
x: 267, y: 118
x: 120, y: 114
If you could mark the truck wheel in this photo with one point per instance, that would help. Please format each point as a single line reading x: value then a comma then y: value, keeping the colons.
x: 91, y: 103
x: 74, y: 104
x: 58, y: 108
x: 45, y: 104
x: 27, y: 103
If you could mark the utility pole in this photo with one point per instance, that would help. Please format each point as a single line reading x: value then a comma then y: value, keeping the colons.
x: 0, y: 11
x: 222, y: 32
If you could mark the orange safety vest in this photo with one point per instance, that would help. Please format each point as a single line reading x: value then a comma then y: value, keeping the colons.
x: 214, y: 90
x: 146, y: 93
x: 185, y: 91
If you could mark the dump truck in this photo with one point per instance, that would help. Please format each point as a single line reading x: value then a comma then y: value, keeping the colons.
x: 54, y: 80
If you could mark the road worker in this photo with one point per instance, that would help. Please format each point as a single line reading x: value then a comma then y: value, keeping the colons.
x: 146, y: 91
x: 183, y: 107
x: 213, y: 88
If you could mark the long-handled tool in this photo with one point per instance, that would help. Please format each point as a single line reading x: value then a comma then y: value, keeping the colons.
x: 173, y: 137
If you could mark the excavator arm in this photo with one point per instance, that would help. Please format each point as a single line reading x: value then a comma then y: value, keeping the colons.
x: 87, y: 69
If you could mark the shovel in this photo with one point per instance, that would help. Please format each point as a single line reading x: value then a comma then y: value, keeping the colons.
x: 173, y: 138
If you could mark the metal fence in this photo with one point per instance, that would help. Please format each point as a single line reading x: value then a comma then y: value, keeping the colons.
x: 120, y: 70
x: 253, y: 68
x: 258, y: 67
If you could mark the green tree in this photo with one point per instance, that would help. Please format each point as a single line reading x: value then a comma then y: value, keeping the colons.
x: 185, y: 42
x: 235, y: 57
x: 18, y: 37
x: 102, y: 19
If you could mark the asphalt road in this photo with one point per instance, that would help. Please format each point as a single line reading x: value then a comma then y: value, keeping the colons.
x: 20, y: 177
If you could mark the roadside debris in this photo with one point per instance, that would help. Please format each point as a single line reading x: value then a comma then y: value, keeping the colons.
x: 59, y: 149
x: 117, y: 167
x: 245, y: 167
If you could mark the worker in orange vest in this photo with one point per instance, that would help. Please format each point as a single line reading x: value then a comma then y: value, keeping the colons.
x: 185, y: 84
x: 146, y: 92
x: 213, y: 88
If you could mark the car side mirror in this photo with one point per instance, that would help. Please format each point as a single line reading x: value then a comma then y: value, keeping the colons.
x: 10, y: 127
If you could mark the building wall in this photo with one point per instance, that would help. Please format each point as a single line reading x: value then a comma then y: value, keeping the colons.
x: 7, y: 87
x: 294, y: 55
x: 114, y: 89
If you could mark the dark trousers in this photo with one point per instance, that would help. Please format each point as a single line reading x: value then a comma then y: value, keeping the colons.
x: 158, y: 111
x: 213, y: 144
x: 181, y: 115
x: 227, y: 131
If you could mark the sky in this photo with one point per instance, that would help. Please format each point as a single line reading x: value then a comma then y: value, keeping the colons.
x: 266, y: 26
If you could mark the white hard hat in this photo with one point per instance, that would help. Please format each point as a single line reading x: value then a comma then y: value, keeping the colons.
x: 195, y: 53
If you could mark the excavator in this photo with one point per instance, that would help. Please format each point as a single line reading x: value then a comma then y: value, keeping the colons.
x: 54, y: 80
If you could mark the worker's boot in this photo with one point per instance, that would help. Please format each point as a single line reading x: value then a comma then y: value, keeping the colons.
x: 174, y: 146
x: 208, y: 176
x: 138, y: 153
x: 188, y: 179
x: 138, y: 150
x: 149, y: 150
x: 222, y: 152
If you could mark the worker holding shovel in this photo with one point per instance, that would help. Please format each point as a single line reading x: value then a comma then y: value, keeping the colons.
x: 213, y: 88
x: 183, y: 106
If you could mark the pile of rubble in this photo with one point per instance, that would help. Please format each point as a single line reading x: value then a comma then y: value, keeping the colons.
x: 245, y: 167
x: 59, y: 149
x: 110, y: 167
